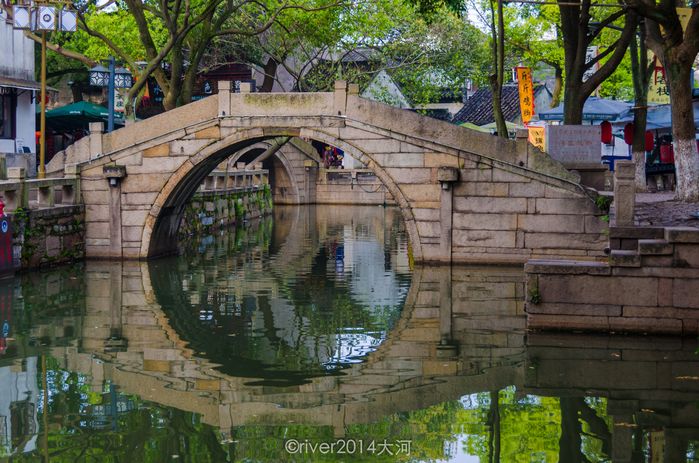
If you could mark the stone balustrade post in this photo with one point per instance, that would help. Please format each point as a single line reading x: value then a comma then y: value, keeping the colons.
x: 224, y: 98
x: 340, y: 97
x: 46, y: 196
x: 209, y: 182
x: 96, y: 134
x: 70, y: 193
x: 246, y: 87
x: 20, y: 196
x: 624, y: 193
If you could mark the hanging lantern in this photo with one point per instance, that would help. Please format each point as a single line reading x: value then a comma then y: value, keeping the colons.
x: 68, y: 20
x: 628, y: 133
x: 45, y: 18
x: 606, y: 127
x: 21, y: 17
x: 650, y: 141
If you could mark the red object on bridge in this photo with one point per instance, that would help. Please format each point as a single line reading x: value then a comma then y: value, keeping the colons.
x: 650, y: 141
x: 2, y: 208
x: 606, y: 127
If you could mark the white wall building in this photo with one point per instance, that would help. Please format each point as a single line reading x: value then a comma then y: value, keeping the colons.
x: 17, y: 94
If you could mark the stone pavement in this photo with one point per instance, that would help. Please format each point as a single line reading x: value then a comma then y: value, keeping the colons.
x: 661, y: 209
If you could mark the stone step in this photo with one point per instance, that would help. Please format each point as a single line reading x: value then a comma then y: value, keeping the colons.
x: 682, y: 235
x: 619, y: 258
x: 654, y: 248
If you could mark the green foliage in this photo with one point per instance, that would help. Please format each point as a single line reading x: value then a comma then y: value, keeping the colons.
x: 603, y: 203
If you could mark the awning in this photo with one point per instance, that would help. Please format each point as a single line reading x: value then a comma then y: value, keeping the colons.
x: 23, y: 84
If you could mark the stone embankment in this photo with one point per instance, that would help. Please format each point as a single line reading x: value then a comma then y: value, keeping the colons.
x: 648, y: 283
x: 47, y: 219
x: 227, y: 198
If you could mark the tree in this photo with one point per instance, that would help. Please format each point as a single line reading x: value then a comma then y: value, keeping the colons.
x: 677, y: 48
x: 642, y: 71
x: 497, y: 34
x: 177, y: 32
x: 580, y: 29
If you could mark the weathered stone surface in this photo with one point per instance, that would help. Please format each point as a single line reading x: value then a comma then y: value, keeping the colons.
x: 592, y: 289
x: 565, y: 206
x: 620, y: 258
x: 561, y: 308
x: 682, y: 235
x: 551, y: 223
x: 157, y: 151
x: 491, y: 238
x: 581, y: 241
x: 527, y: 190
x: 485, y: 221
x: 489, y: 205
x: 649, y: 325
x: 211, y: 132
x: 481, y: 189
x: 686, y: 255
x: 567, y: 322
x: 685, y: 293
x: 654, y: 247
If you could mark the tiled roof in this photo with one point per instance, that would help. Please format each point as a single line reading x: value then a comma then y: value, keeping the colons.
x: 478, y: 109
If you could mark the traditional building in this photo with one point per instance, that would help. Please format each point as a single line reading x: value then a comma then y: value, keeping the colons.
x: 17, y: 98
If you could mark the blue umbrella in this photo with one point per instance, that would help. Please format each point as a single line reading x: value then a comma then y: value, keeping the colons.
x: 658, y: 118
x: 595, y: 109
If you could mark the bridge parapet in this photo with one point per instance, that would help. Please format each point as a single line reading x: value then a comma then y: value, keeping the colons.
x: 19, y: 192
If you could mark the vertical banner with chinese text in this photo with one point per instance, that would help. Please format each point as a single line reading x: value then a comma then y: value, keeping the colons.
x: 526, y: 93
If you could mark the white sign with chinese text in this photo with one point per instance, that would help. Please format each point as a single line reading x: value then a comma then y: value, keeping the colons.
x: 575, y: 144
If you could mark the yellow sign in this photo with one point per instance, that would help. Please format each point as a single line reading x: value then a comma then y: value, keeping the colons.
x: 658, y: 92
x: 526, y: 93
x: 537, y: 137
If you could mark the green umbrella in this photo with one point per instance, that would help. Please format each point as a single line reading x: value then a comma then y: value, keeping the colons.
x: 78, y: 116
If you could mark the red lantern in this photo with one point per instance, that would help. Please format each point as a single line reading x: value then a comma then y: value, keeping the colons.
x: 628, y: 133
x: 650, y: 142
x: 606, y: 127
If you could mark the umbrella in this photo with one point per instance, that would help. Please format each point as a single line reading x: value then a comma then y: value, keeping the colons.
x: 78, y: 116
x: 595, y: 109
x: 658, y: 117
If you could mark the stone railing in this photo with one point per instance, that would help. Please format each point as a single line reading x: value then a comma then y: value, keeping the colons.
x: 235, y: 180
x: 19, y: 192
x: 348, y: 176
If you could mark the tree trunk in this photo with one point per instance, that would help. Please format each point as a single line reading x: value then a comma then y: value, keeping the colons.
x: 496, y: 79
x: 270, y: 70
x: 570, y: 440
x: 572, y: 104
x: 557, y: 87
x: 677, y: 75
x: 494, y: 424
x: 641, y: 74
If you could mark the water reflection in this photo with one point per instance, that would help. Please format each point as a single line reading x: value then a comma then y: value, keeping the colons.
x: 250, y: 340
x: 287, y: 305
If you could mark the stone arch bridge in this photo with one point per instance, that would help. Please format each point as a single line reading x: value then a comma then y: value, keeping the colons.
x: 465, y: 196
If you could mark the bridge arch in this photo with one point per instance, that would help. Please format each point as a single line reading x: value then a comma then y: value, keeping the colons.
x: 162, y: 222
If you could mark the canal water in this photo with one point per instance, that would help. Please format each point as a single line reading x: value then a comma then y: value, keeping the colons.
x: 311, y: 336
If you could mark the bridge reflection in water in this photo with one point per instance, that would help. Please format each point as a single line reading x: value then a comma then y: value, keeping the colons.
x: 314, y: 326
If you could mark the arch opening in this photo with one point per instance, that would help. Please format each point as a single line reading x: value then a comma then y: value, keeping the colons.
x: 160, y: 230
